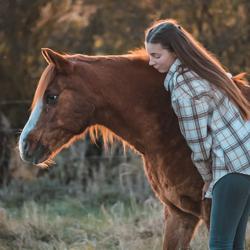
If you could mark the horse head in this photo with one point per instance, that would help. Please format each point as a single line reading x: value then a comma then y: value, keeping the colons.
x: 59, y: 112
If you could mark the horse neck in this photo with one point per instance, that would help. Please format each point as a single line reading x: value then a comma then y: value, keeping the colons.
x: 131, y: 99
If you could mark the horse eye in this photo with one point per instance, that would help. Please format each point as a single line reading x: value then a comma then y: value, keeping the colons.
x: 51, y: 99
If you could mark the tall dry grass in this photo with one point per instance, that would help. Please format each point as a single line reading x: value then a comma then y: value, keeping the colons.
x: 68, y: 224
x: 101, y: 202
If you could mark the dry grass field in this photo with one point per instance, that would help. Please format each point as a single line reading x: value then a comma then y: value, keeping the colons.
x: 115, y: 210
x: 70, y: 224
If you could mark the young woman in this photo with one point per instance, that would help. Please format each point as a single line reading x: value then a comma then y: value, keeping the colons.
x: 213, y: 117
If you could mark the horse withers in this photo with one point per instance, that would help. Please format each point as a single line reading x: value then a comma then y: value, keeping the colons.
x: 122, y: 97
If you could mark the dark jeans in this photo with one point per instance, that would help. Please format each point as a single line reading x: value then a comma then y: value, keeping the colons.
x: 230, y: 212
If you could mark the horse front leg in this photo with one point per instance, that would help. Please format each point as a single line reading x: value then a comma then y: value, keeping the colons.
x: 206, y: 211
x: 179, y: 229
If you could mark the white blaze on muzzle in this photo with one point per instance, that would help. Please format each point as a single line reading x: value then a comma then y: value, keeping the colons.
x: 30, y: 125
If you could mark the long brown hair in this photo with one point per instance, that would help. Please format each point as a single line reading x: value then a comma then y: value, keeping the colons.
x: 194, y: 56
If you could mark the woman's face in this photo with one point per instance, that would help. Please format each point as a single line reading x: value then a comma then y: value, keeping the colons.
x: 161, y: 59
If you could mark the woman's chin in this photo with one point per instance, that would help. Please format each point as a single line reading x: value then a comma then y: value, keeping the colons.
x: 161, y: 71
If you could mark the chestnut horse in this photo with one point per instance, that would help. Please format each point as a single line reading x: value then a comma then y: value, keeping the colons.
x: 122, y: 97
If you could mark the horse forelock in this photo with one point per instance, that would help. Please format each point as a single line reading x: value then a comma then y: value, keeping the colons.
x: 45, y: 79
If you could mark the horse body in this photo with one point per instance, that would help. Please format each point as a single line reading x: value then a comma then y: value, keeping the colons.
x: 124, y: 95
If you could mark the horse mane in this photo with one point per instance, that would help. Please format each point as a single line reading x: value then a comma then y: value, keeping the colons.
x: 95, y: 131
x: 138, y: 53
x: 141, y: 52
x: 108, y: 137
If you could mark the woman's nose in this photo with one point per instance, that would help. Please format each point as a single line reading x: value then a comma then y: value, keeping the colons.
x: 151, y: 62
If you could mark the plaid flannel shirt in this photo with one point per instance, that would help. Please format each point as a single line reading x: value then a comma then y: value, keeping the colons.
x: 211, y: 124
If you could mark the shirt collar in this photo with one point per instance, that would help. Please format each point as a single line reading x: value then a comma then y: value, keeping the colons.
x: 173, y: 68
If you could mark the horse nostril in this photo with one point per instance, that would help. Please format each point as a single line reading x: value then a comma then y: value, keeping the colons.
x: 25, y: 146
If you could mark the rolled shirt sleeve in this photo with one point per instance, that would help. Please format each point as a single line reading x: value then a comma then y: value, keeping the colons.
x: 193, y: 115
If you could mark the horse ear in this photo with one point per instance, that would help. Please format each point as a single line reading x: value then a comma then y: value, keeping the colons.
x: 61, y: 63
x: 44, y: 53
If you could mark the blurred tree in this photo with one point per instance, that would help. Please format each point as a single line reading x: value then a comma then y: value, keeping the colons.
x: 106, y: 27
x: 222, y: 26
x: 119, y: 25
x: 16, y: 21
x: 25, y: 27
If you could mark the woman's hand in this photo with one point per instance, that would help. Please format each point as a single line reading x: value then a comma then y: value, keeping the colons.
x: 205, y: 188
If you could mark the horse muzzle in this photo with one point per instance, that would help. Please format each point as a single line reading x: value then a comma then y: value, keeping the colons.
x: 33, y: 152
